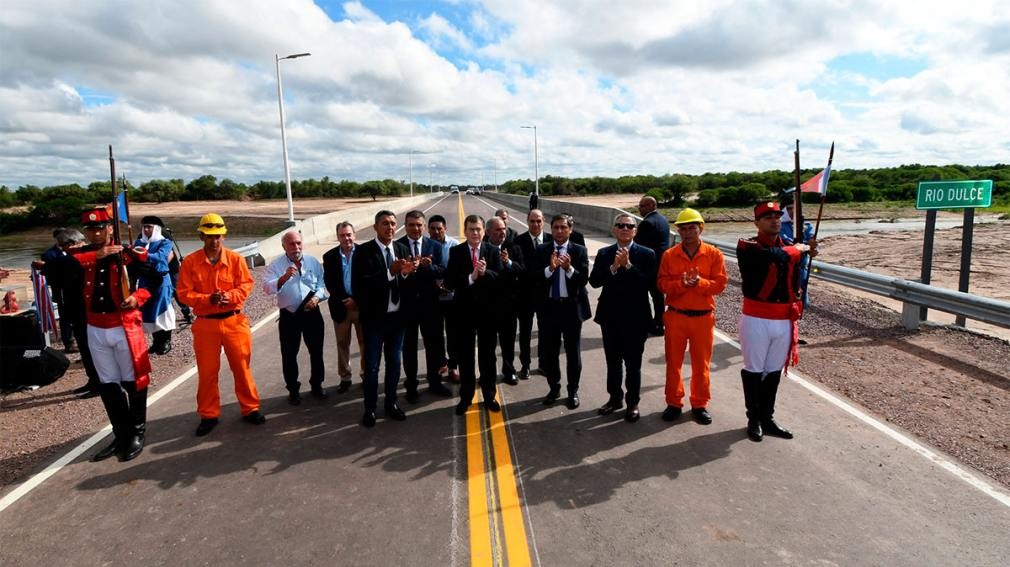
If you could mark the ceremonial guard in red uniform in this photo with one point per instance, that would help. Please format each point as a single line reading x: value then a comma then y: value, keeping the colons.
x: 769, y: 270
x: 116, y: 332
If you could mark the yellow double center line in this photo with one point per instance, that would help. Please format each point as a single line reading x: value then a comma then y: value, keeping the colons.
x: 497, y: 530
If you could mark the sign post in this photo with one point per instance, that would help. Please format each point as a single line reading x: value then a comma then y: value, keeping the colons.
x: 967, y: 195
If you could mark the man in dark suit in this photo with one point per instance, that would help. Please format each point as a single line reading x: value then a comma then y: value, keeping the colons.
x: 626, y: 271
x: 381, y: 270
x: 473, y: 267
x: 505, y: 309
x: 564, y: 271
x: 529, y: 288
x: 337, y: 267
x: 654, y: 233
x: 421, y: 310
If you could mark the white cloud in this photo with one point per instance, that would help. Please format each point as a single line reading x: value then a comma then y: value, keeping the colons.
x: 614, y: 87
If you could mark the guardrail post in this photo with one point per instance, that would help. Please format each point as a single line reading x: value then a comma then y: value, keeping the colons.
x: 910, y: 316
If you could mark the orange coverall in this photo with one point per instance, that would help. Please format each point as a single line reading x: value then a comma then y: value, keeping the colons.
x: 690, y: 329
x: 198, y: 279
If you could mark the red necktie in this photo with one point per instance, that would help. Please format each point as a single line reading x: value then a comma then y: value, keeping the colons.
x: 473, y: 252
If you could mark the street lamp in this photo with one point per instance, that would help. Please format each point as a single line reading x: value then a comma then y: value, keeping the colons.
x: 431, y: 167
x: 536, y: 161
x: 411, y: 172
x: 284, y: 141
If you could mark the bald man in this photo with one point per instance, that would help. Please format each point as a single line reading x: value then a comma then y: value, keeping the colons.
x: 654, y: 234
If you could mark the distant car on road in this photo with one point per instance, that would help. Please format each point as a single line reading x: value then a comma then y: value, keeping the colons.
x: 453, y: 189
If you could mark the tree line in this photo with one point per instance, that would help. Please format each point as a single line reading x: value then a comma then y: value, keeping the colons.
x: 61, y: 204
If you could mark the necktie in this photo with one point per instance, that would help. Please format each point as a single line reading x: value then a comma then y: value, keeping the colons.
x: 556, y: 280
x: 394, y: 287
x: 473, y: 254
x: 536, y: 241
x: 417, y: 253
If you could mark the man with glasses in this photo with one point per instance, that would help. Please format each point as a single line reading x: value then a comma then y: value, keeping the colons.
x: 626, y: 272
x: 563, y: 269
x: 381, y: 270
x: 215, y: 282
x: 691, y: 274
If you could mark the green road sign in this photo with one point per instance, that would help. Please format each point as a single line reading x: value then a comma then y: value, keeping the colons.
x: 954, y: 194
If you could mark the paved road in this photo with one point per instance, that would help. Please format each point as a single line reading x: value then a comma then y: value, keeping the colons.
x: 543, y: 485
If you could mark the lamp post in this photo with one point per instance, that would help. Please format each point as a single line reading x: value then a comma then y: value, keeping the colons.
x: 410, y: 173
x: 284, y: 141
x: 431, y: 167
x: 536, y: 161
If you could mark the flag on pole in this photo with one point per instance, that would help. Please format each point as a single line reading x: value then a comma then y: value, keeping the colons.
x: 121, y: 205
x: 818, y: 183
x: 43, y: 302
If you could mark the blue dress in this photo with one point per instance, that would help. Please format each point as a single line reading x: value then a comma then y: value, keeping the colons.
x: 158, y: 312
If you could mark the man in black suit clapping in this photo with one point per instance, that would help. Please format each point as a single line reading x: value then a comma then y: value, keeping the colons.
x: 381, y: 270
x: 473, y: 267
x: 506, y: 308
x: 530, y: 289
x: 626, y: 272
x: 564, y: 270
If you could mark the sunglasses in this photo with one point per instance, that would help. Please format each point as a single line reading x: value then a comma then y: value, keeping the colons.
x: 628, y: 226
x: 212, y: 225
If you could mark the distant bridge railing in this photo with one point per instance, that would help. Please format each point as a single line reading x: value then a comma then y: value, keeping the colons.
x: 251, y: 254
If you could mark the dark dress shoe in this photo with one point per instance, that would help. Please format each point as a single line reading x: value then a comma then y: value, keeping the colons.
x: 461, y: 408
x: 671, y: 413
x: 754, y: 432
x: 393, y: 411
x: 440, y: 389
x: 343, y: 386
x: 552, y: 397
x: 369, y: 419
x: 632, y: 415
x: 412, y: 395
x: 524, y: 373
x: 492, y: 405
x: 773, y: 429
x: 107, y: 452
x: 701, y: 415
x: 294, y: 398
x: 254, y: 417
x: 572, y: 402
x: 164, y: 349
x: 609, y: 408
x: 510, y: 379
x: 319, y: 393
x: 205, y: 427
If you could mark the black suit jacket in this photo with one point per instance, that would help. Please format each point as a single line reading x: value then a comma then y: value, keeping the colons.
x: 511, y: 277
x: 333, y: 277
x: 473, y: 300
x: 369, y: 280
x: 529, y: 283
x: 654, y: 233
x: 421, y: 285
x: 625, y: 297
x: 576, y: 284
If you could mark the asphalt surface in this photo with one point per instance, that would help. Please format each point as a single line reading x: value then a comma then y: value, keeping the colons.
x: 312, y: 486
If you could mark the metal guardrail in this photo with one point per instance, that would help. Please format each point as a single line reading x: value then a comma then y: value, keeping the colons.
x: 912, y: 294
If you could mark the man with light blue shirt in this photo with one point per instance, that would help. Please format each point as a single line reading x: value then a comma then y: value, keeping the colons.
x: 297, y: 280
x: 437, y: 226
x: 337, y: 265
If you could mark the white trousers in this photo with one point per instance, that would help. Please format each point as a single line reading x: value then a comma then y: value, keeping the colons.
x: 765, y: 343
x: 111, y: 354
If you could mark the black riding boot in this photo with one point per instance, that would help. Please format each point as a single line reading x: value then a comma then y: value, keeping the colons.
x: 769, y: 389
x: 134, y: 443
x: 752, y: 399
x: 119, y: 416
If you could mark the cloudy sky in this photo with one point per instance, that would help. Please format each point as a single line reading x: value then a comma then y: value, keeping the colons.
x: 183, y: 88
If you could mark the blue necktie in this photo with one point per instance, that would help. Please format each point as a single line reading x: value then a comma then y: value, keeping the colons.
x: 417, y: 253
x: 394, y: 287
x: 556, y: 280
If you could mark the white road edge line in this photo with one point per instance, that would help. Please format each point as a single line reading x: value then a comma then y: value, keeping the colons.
x: 946, y: 464
x: 33, y: 482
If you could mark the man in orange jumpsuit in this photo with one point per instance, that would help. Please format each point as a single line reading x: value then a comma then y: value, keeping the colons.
x: 214, y: 281
x: 691, y: 274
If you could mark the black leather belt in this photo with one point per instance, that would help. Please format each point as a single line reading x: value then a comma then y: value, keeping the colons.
x: 224, y: 315
x: 690, y: 312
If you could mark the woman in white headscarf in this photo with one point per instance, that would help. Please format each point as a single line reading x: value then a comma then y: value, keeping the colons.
x: 159, y: 316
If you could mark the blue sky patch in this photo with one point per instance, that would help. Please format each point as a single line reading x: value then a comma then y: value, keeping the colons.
x: 93, y: 98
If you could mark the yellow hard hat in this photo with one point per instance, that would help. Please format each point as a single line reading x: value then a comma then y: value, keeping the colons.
x: 212, y: 223
x: 688, y: 216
